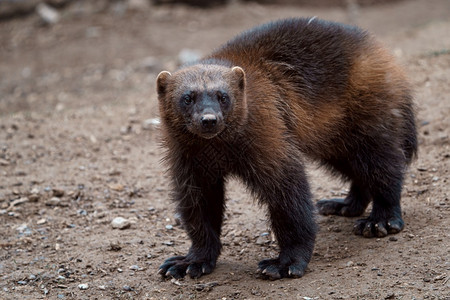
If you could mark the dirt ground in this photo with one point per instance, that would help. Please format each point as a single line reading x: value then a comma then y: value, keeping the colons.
x: 79, y: 147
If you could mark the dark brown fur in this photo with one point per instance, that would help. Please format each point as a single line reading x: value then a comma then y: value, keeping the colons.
x: 303, y: 87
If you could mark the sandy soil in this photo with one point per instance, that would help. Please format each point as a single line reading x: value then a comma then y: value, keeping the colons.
x: 78, y: 149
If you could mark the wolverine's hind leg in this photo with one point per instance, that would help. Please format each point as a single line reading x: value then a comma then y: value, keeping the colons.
x: 386, y: 215
x: 357, y: 199
x: 383, y: 169
x: 377, y: 175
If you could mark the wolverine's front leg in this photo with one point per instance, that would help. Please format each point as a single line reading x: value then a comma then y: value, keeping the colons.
x: 201, y: 205
x: 291, y: 216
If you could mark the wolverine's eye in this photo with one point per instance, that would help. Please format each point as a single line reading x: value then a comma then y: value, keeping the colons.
x: 187, y: 99
x: 223, y: 98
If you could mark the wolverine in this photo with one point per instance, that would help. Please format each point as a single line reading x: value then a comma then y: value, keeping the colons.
x: 257, y: 107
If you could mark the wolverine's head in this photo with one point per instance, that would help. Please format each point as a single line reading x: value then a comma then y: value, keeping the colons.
x: 203, y: 98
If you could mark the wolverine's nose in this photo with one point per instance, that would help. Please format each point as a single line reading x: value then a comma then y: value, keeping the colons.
x: 208, y: 121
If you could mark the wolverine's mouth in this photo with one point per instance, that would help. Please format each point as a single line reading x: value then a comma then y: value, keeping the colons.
x: 209, y: 136
x: 205, y: 133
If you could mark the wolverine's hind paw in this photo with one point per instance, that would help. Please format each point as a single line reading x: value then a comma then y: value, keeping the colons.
x: 273, y: 269
x: 340, y: 207
x: 178, y: 266
x: 370, y: 228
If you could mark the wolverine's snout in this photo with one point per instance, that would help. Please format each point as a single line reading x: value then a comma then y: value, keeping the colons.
x: 209, y: 121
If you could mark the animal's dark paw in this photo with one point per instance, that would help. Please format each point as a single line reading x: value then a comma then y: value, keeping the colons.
x: 178, y: 266
x: 273, y: 269
x: 339, y: 207
x: 378, y: 228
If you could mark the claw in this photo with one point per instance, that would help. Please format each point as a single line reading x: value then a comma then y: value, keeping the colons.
x: 377, y: 228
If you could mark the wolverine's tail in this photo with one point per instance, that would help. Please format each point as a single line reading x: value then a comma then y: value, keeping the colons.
x: 410, y: 137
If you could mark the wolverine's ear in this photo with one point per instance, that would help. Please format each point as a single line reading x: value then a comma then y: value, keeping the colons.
x: 239, y: 75
x: 161, y: 82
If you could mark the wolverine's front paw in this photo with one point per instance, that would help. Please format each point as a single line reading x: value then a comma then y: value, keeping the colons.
x: 178, y: 266
x: 274, y: 269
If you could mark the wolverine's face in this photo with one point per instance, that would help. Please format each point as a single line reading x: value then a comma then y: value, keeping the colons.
x: 201, y: 97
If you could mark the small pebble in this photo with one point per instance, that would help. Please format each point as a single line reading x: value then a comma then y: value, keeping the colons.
x: 120, y: 223
x: 99, y: 215
x: 261, y: 240
x: 169, y: 227
x: 34, y: 197
x: 55, y: 201
x: 83, y: 286
x: 117, y: 187
x: 127, y: 288
x: 22, y: 282
x: 136, y: 268
x: 393, y: 239
x: 48, y: 14
x: 115, y: 246
x: 58, y: 193
x: 176, y: 282
x: 205, y: 286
